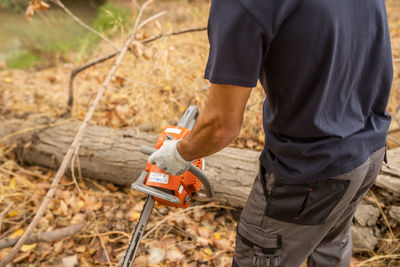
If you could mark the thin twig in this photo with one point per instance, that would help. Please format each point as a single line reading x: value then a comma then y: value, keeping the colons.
x: 46, y: 236
x: 105, y: 250
x: 376, y: 258
x: 156, y: 16
x: 15, y: 175
x: 84, y: 25
x: 4, y: 212
x: 102, y: 59
x: 395, y: 130
x: 123, y: 234
x: 210, y: 205
x: 64, y: 164
x: 78, y: 166
x: 393, y: 139
x: 16, y: 226
x: 163, y: 35
x: 103, y: 245
x: 34, y: 174
x: 73, y: 169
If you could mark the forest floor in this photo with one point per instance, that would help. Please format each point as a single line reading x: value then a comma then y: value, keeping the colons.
x: 150, y: 90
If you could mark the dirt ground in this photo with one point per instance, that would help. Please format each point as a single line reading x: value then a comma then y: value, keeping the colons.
x: 151, y: 90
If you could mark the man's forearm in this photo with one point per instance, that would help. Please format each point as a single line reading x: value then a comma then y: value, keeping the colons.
x: 206, y: 139
x: 218, y: 124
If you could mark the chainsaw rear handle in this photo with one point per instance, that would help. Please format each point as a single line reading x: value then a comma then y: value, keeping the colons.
x: 208, y: 189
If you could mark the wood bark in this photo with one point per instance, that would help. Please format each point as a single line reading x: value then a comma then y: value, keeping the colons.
x: 114, y: 155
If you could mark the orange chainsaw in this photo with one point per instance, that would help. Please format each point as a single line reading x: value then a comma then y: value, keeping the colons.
x: 169, y: 190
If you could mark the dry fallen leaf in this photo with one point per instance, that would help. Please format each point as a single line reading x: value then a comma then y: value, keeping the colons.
x: 17, y: 233
x: 96, y: 206
x: 156, y: 255
x: 202, y: 241
x: 208, y: 251
x: 58, y: 246
x: 140, y: 261
x: 133, y: 216
x: 78, y: 218
x: 70, y: 261
x: 26, y: 248
x: 80, y: 249
x: 175, y: 255
x: 204, y: 232
x: 13, y: 182
x: 217, y: 235
x: 223, y: 244
x: 13, y: 213
x: 35, y: 6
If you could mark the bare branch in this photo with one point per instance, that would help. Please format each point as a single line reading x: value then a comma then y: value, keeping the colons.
x: 46, y: 236
x: 84, y: 25
x: 67, y: 158
x: 151, y: 39
x: 156, y: 16
x: 395, y: 130
x: 102, y: 59
x: 4, y: 212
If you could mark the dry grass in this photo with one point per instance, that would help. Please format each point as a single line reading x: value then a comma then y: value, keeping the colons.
x: 149, y: 92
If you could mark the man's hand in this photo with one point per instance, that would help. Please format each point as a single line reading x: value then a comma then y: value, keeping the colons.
x: 169, y: 160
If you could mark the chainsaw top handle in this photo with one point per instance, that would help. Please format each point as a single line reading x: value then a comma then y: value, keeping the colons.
x: 208, y: 189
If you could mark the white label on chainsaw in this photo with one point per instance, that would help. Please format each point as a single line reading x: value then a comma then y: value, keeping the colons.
x: 173, y: 130
x: 157, y: 177
x: 180, y: 189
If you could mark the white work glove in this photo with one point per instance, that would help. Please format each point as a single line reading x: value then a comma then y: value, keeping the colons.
x: 168, y: 158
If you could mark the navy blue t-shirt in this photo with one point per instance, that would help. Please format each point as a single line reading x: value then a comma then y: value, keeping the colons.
x: 326, y: 67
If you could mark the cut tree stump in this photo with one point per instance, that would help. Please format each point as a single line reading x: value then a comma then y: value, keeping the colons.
x: 114, y: 155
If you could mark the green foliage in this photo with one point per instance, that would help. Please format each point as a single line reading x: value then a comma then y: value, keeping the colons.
x: 44, y: 37
x: 14, y: 5
x: 54, y: 35
x: 22, y: 60
x: 110, y: 20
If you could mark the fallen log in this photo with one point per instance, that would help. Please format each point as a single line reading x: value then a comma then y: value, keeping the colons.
x: 114, y: 155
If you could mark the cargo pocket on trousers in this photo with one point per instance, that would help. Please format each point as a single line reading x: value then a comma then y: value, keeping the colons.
x: 254, y: 247
x: 256, y: 203
x: 306, y: 204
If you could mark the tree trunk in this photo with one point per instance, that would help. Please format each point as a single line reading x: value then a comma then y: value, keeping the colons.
x: 114, y: 155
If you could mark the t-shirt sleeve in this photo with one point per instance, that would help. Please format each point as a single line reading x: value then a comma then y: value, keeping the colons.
x: 237, y: 45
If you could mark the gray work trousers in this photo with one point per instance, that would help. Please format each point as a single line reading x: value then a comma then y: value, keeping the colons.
x: 284, y: 224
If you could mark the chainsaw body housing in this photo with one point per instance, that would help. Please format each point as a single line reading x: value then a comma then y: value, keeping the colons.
x: 181, y: 186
